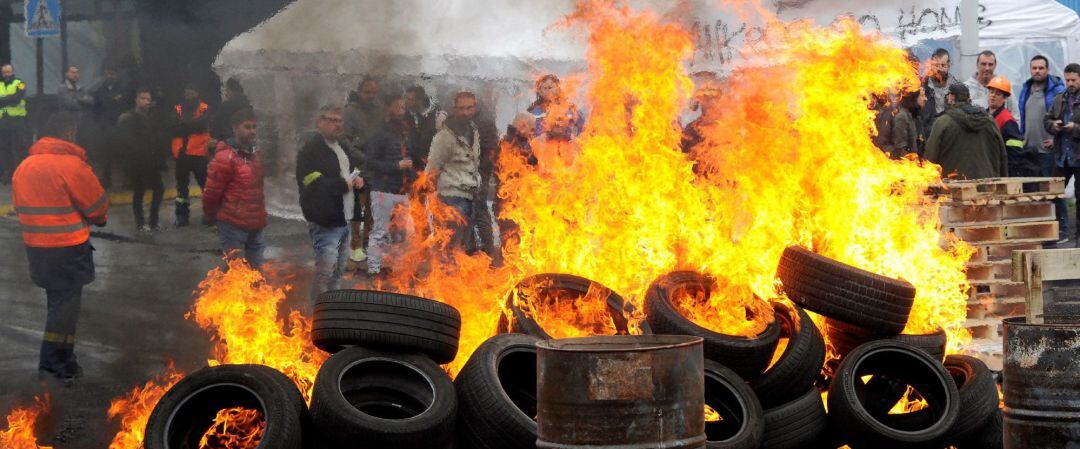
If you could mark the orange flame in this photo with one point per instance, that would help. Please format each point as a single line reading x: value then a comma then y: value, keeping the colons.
x: 242, y: 311
x: 711, y: 415
x: 133, y: 409
x: 234, y: 428
x: 20, y: 426
x: 789, y: 160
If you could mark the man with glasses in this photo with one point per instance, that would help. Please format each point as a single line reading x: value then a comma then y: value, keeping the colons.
x: 328, y: 174
x: 936, y: 85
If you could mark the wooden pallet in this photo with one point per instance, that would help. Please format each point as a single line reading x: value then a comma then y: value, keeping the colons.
x: 1033, y: 268
x: 999, y: 252
x: 992, y: 234
x: 1001, y: 188
x: 989, y: 270
x: 970, y: 215
x: 988, y: 306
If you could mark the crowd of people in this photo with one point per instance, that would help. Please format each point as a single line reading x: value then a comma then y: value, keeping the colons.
x: 358, y: 169
x: 972, y: 128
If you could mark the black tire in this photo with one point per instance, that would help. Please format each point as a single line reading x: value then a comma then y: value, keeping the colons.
x: 520, y: 322
x: 184, y: 413
x: 400, y: 401
x: 990, y: 436
x: 497, y: 394
x: 746, y: 356
x: 799, y: 366
x: 845, y: 337
x: 978, y: 394
x: 743, y: 423
x: 836, y: 290
x: 797, y: 424
x: 385, y: 321
x: 892, y: 360
x: 933, y: 344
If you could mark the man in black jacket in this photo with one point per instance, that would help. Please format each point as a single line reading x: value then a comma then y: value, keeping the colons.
x: 143, y: 152
x: 390, y: 166
x: 328, y: 174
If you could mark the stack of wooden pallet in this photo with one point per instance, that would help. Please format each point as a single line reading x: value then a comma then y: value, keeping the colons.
x: 997, y: 216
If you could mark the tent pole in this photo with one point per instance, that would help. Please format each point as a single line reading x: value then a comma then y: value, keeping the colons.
x: 969, y: 38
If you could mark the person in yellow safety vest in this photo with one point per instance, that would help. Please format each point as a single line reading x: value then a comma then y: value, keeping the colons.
x: 12, y: 121
x: 190, y: 147
x: 57, y: 197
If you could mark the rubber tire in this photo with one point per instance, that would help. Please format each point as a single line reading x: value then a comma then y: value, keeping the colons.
x: 521, y: 323
x: 487, y: 417
x: 752, y: 430
x: 990, y: 436
x: 846, y: 336
x: 978, y: 397
x: 797, y: 424
x: 799, y: 366
x: 282, y: 405
x: 861, y: 428
x: 340, y: 424
x: 746, y: 356
x: 385, y: 321
x: 836, y: 290
x: 933, y: 344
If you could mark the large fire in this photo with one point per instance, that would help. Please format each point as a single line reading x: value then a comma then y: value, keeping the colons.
x: 789, y: 160
x: 20, y: 426
x: 242, y: 311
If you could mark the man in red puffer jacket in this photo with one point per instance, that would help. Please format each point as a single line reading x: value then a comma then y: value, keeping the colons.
x: 234, y: 192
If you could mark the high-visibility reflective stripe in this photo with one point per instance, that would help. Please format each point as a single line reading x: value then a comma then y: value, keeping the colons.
x: 60, y: 229
x: 53, y: 337
x: 1014, y: 143
x: 311, y: 177
x: 44, y: 210
x: 97, y: 205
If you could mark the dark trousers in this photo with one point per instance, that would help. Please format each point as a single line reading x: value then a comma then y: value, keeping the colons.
x: 12, y: 150
x: 363, y: 214
x: 463, y: 235
x: 58, y: 343
x: 186, y: 166
x: 62, y: 272
x: 139, y: 185
x: 1060, y: 206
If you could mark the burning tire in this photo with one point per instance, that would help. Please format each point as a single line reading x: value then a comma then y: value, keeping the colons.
x: 400, y: 401
x: 742, y: 420
x: 521, y: 321
x: 799, y: 365
x: 390, y: 321
x: 746, y: 356
x: 797, y: 424
x: 978, y: 397
x: 836, y: 290
x: 497, y: 394
x: 185, y: 412
x: 846, y: 337
x: 990, y: 436
x: 904, y: 363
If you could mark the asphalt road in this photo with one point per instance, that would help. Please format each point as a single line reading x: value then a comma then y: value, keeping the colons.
x: 132, y: 319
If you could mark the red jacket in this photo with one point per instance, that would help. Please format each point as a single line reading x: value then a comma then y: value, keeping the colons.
x: 234, y: 188
x: 57, y: 195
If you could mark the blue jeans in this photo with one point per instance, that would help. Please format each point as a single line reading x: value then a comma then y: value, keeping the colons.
x: 462, y: 237
x: 331, y: 253
x: 234, y: 239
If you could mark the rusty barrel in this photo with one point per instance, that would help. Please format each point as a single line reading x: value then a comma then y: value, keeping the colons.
x: 1041, y: 385
x: 621, y: 392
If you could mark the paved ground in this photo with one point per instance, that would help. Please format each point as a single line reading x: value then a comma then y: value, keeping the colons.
x: 132, y: 318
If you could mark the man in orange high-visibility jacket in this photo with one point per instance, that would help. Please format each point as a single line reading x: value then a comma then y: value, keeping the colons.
x: 190, y: 146
x: 57, y: 197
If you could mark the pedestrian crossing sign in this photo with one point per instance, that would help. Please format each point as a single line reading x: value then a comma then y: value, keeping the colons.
x: 42, y: 17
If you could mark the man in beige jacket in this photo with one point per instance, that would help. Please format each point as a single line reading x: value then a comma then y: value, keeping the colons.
x: 454, y: 164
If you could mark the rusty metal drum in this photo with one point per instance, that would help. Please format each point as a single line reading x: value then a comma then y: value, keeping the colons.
x: 621, y: 392
x: 1041, y: 385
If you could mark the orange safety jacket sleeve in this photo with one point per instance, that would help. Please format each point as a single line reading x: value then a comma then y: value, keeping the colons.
x: 87, y: 194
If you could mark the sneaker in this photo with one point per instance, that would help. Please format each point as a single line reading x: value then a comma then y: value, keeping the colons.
x: 1063, y: 239
x: 358, y: 255
x: 144, y: 229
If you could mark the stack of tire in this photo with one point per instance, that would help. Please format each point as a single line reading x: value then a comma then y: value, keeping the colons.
x: 381, y: 387
x: 772, y: 398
